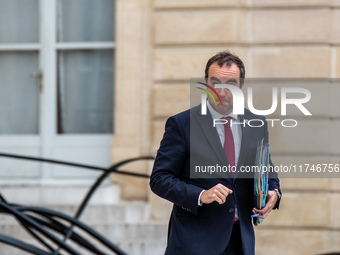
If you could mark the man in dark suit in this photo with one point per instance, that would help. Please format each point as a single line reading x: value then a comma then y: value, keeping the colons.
x: 211, y: 216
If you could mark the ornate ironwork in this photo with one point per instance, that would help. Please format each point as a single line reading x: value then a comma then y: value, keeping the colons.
x: 46, y: 225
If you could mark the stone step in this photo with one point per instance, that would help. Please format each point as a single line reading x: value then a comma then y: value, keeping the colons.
x: 130, y: 247
x: 135, y: 238
x: 114, y: 231
x: 56, y: 195
x: 123, y: 212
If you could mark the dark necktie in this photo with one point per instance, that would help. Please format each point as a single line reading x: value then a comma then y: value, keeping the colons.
x: 228, y: 146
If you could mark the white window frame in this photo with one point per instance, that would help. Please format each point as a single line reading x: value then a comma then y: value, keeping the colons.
x: 48, y: 142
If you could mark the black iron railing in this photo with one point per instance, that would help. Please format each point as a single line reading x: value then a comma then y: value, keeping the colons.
x: 46, y: 226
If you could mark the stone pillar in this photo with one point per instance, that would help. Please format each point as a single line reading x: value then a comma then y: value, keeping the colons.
x: 132, y: 92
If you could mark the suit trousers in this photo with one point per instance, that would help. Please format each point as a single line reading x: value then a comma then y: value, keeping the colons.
x: 235, y: 243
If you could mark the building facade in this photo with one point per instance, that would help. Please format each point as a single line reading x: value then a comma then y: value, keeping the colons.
x: 172, y: 41
x: 103, y: 95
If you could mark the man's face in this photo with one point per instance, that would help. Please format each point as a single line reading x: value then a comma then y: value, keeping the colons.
x: 223, y: 75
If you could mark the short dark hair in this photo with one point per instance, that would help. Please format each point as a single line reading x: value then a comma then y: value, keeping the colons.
x: 225, y: 57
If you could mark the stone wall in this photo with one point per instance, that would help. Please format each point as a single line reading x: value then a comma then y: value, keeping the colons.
x: 161, y: 44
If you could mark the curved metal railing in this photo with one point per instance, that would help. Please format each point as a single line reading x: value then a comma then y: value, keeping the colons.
x: 43, y: 224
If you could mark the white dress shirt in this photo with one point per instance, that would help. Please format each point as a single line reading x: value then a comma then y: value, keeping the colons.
x: 235, y: 129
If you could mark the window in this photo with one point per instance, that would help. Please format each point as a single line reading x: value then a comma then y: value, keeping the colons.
x: 85, y: 65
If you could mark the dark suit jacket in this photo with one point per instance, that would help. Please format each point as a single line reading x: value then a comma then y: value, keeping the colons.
x: 205, y: 229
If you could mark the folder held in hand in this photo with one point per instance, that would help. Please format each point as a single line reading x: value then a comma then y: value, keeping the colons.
x: 261, y: 177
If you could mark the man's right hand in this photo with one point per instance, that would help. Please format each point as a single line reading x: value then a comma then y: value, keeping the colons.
x: 217, y: 193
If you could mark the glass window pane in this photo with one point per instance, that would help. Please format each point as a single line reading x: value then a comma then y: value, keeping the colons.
x: 19, y: 97
x: 85, y: 91
x: 85, y: 20
x: 19, y: 21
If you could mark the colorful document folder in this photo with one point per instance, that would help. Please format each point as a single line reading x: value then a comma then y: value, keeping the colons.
x: 261, y: 177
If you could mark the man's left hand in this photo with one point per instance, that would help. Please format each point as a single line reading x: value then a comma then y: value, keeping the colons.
x: 272, y: 199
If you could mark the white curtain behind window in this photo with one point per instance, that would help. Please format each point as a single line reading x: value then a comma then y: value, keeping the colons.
x: 85, y: 77
x: 85, y: 20
x: 19, y: 21
x: 85, y: 91
x: 19, y: 94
